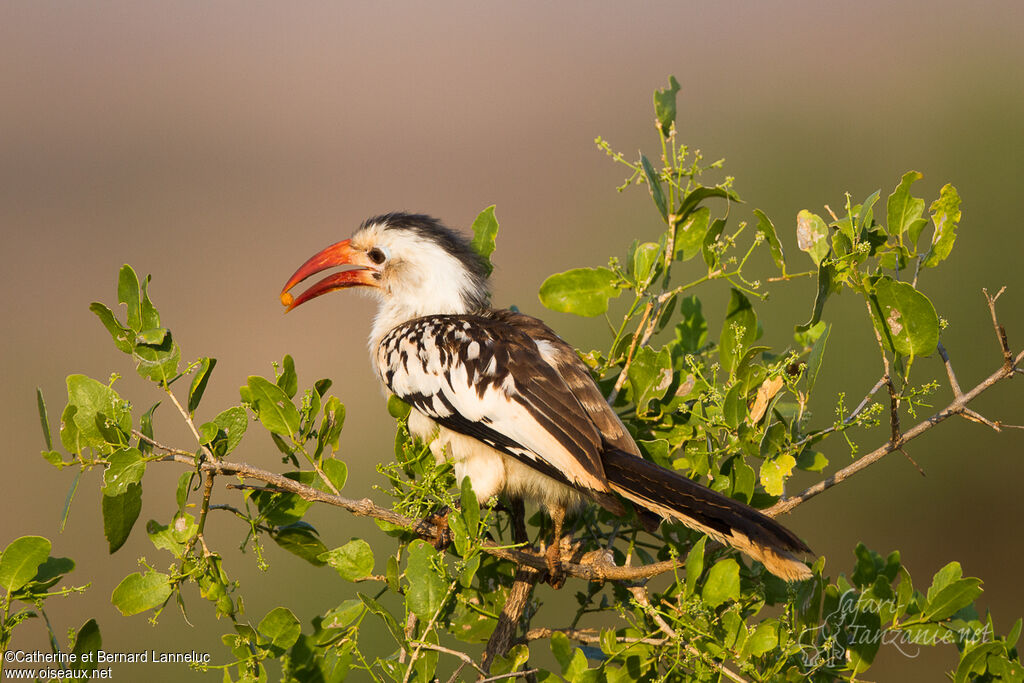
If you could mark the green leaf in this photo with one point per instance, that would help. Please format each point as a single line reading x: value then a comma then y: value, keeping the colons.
x: 862, y: 650
x: 903, y: 211
x: 21, y: 560
x: 199, y: 381
x: 336, y: 471
x: 945, y: 212
x: 140, y: 592
x: 812, y: 235
x: 695, y: 564
x: 905, y: 318
x: 174, y: 537
x: 426, y: 589
x: 344, y: 614
x: 331, y: 425
x: 865, y: 215
x: 825, y: 277
x: 738, y: 331
x: 126, y: 467
x: 692, y: 331
x: 699, y: 194
x: 470, y: 570
x: 146, y: 427
x: 815, y: 358
x: 148, y: 315
x: 764, y: 639
x: 157, y: 361
x: 690, y: 234
x: 153, y: 336
x: 389, y: 620
x: 562, y: 649
x: 650, y: 375
x: 122, y: 336
x: 44, y: 421
x: 128, y: 294
x: 654, y: 185
x: 91, y: 398
x: 710, y: 239
x: 581, y: 291
x: 774, y: 473
x: 352, y: 561
x: 469, y: 508
x: 397, y: 408
x: 952, y: 599
x: 723, y: 583
x: 513, y: 660
x: 288, y: 381
x: 734, y: 408
x: 485, y: 231
x: 300, y: 539
x: 119, y: 515
x: 767, y: 228
x: 69, y: 498
x: 283, y: 508
x: 949, y: 592
x: 281, y: 627
x: 233, y: 422
x: 276, y: 411
x: 645, y: 258
x: 665, y: 106
x: 974, y: 663
x: 87, y: 640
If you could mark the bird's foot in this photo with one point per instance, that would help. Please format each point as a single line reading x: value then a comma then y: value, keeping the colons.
x: 556, y: 572
x: 442, y: 533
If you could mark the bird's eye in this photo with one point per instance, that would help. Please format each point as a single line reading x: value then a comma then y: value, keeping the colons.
x: 378, y: 255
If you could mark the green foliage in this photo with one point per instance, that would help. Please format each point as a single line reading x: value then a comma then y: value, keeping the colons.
x: 695, y: 387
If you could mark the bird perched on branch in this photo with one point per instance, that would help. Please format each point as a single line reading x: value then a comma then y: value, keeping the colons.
x: 508, y: 401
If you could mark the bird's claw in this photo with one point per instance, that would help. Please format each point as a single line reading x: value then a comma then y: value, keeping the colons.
x: 553, y: 559
x: 442, y: 536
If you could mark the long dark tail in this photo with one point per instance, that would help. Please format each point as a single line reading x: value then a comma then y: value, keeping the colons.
x: 670, y: 495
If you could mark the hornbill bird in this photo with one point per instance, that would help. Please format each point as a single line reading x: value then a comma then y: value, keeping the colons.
x: 506, y: 400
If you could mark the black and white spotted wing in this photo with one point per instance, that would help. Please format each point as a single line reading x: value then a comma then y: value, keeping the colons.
x: 484, y: 376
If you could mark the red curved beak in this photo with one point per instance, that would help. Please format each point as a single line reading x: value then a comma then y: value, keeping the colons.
x: 339, y: 254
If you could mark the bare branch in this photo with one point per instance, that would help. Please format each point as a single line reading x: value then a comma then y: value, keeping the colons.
x: 518, y: 597
x: 584, y: 635
x: 957, y: 393
x: 1000, y: 330
x: 956, y: 407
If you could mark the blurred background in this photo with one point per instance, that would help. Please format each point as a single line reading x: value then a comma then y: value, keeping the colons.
x: 217, y: 146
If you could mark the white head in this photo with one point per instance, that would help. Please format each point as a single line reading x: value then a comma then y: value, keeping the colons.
x: 412, y: 263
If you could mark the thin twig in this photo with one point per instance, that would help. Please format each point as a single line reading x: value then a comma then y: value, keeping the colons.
x: 956, y: 407
x: 640, y: 595
x: 957, y: 393
x: 455, y: 653
x: 584, y: 635
x: 514, y: 674
x: 189, y: 422
x: 411, y: 622
x: 975, y: 416
x: 621, y: 379
x: 1000, y: 330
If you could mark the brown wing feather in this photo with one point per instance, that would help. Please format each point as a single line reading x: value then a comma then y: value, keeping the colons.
x: 576, y: 377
